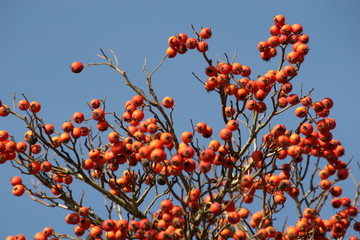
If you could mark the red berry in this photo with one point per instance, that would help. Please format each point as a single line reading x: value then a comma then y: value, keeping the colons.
x: 76, y: 67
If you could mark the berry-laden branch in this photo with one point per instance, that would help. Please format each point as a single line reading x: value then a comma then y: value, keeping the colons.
x: 242, y: 183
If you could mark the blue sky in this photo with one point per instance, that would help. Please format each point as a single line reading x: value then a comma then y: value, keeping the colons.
x: 39, y: 39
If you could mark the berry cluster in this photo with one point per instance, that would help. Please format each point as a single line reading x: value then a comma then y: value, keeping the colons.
x: 181, y: 43
x: 284, y: 34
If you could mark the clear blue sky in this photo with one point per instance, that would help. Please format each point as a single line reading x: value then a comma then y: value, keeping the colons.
x: 39, y: 39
